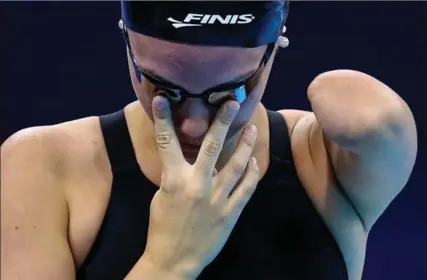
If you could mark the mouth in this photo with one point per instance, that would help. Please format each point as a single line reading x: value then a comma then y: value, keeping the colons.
x: 190, y: 152
x: 190, y: 148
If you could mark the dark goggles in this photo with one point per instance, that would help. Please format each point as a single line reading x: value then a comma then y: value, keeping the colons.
x: 237, y: 91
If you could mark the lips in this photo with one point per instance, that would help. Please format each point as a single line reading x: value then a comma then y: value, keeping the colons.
x: 190, y: 145
x: 190, y: 148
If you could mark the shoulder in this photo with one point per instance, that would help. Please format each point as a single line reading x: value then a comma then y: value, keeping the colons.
x: 317, y: 176
x: 41, y: 168
x: 293, y: 117
x: 53, y: 151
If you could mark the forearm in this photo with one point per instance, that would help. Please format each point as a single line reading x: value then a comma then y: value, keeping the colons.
x: 356, y: 110
x: 145, y: 270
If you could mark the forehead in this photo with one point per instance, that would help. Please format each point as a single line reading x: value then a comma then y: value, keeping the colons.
x: 196, y: 68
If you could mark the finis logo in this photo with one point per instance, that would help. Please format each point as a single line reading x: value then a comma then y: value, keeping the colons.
x: 201, y: 19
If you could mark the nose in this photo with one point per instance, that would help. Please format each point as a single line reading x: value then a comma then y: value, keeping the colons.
x: 193, y: 118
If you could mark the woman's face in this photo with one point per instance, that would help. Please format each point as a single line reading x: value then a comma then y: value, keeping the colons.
x: 196, y: 69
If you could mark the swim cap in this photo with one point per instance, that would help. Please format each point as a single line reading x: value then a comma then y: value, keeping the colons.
x: 220, y: 23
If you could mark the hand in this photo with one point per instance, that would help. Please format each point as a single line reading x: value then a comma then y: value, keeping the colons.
x: 194, y: 211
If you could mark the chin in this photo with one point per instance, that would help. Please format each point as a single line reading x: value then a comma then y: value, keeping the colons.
x: 190, y: 155
x: 191, y: 159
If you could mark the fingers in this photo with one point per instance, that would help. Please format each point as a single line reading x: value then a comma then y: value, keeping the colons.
x: 167, y: 141
x: 214, y: 139
x: 229, y: 176
x: 244, y: 191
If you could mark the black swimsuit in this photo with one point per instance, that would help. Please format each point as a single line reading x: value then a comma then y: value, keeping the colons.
x: 279, y: 235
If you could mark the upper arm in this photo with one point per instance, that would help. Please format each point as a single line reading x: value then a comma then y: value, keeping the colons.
x: 34, y: 212
x: 374, y: 169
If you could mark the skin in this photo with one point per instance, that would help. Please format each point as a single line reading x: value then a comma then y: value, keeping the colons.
x: 207, y: 67
x: 352, y: 160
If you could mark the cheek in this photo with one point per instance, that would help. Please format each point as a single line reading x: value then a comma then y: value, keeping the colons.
x: 248, y: 107
x: 141, y: 91
x: 244, y: 116
x: 241, y: 120
x: 246, y: 111
x: 145, y: 99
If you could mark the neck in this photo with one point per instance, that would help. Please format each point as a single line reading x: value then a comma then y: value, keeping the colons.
x: 141, y: 129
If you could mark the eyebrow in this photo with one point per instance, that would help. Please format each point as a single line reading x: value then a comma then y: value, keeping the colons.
x: 238, y: 79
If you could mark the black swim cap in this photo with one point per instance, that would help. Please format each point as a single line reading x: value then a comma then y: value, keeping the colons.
x: 220, y: 23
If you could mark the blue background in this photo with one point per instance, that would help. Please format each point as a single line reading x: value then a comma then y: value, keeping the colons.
x: 61, y: 61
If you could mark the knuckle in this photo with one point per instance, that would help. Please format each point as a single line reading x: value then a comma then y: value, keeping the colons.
x: 195, y: 196
x: 249, y: 140
x: 225, y: 119
x: 163, y: 139
x: 168, y: 183
x: 237, y: 167
x: 212, y: 147
x: 249, y: 190
x: 223, y: 217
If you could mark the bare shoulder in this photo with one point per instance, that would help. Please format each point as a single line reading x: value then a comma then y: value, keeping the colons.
x: 40, y: 168
x: 55, y: 160
x: 292, y: 117
x: 316, y: 173
x: 56, y: 149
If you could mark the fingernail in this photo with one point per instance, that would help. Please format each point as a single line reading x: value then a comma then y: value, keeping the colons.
x: 253, y: 160
x: 251, y: 130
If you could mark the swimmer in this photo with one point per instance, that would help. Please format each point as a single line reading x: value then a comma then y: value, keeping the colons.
x: 196, y: 179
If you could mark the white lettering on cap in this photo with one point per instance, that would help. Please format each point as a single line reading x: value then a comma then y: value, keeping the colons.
x: 203, y: 19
